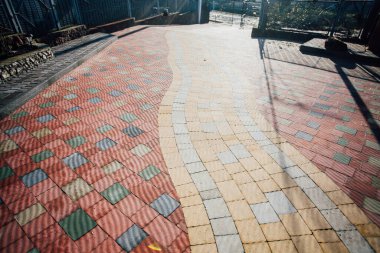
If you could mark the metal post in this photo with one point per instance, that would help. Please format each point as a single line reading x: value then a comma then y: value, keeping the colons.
x: 55, y: 14
x: 129, y: 8
x: 199, y: 11
x: 176, y: 5
x: 12, y: 14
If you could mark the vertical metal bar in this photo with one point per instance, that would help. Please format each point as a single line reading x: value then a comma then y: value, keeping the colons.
x: 77, y: 12
x: 176, y: 5
x: 129, y: 8
x: 199, y: 11
x: 16, y: 24
x: 55, y: 14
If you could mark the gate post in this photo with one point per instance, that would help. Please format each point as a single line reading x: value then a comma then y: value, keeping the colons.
x: 199, y: 11
x: 16, y: 24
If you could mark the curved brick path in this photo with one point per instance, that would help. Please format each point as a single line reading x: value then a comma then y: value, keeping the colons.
x: 81, y: 168
x: 230, y: 165
x: 243, y: 187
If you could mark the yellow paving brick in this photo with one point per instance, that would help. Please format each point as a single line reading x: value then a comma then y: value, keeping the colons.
x: 230, y: 190
x: 369, y: 230
x: 201, y: 235
x: 250, y: 231
x: 272, y: 168
x: 252, y: 193
x: 326, y: 236
x: 309, y: 168
x: 214, y: 166
x: 250, y: 163
x: 324, y: 182
x: 275, y: 231
x: 306, y: 244
x: 186, y: 190
x: 299, y: 159
x: 234, y: 168
x: 375, y: 243
x: 261, y: 247
x: 243, y: 136
x: 262, y: 157
x: 294, y: 224
x: 206, y: 155
x: 242, y: 178
x: 339, y: 197
x: 240, y: 210
x: 259, y: 175
x: 220, y: 175
x: 283, y: 180
x: 205, y: 248
x: 354, y: 214
x: 268, y: 185
x: 173, y: 160
x: 334, y: 247
x: 282, y: 246
x: 195, y: 216
x: 314, y: 219
x: 191, y: 201
x: 298, y: 198
x: 180, y: 176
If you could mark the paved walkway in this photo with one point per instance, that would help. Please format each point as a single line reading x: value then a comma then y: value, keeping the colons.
x: 184, y: 138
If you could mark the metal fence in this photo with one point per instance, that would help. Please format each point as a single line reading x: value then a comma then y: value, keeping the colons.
x: 318, y: 16
x: 41, y: 16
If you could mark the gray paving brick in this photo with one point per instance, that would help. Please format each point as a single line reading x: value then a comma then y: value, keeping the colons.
x: 195, y: 167
x: 346, y: 129
x: 227, y: 157
x: 203, y: 181
x: 216, y: 208
x: 165, y: 205
x: 313, y: 124
x: 189, y: 156
x: 295, y: 172
x: 283, y: 160
x: 319, y: 198
x: 229, y: 244
x: 305, y: 182
x: 304, y: 136
x: 240, y: 151
x: 355, y: 242
x: 337, y: 220
x: 210, y: 194
x: 270, y: 149
x: 342, y: 158
x: 258, y: 136
x: 280, y: 203
x: 264, y: 213
x: 223, y: 226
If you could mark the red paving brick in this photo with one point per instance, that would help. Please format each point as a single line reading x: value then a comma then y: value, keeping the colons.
x: 96, y: 101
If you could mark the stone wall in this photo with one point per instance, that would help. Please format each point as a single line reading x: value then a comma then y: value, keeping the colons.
x: 16, y: 65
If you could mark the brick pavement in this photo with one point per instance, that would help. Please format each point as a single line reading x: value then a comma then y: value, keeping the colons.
x: 230, y: 164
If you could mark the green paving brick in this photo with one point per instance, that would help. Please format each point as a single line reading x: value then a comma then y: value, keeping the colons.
x: 372, y: 205
x: 34, y: 250
x: 342, y: 141
x: 76, y: 141
x: 92, y: 90
x: 350, y: 100
x: 42, y: 156
x: 346, y: 129
x: 149, y: 172
x: 316, y: 114
x: 329, y: 92
x: 19, y: 115
x: 77, y: 224
x: 347, y: 108
x: 115, y: 193
x: 373, y: 111
x: 286, y: 110
x: 373, y: 145
x: 374, y: 161
x: 342, y: 158
x: 5, y: 172
x: 346, y: 118
x: 284, y: 122
x: 46, y: 105
x: 376, y: 182
x: 104, y: 129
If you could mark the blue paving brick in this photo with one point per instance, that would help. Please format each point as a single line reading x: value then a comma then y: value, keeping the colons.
x: 45, y: 118
x: 70, y: 96
x: 133, y: 131
x: 14, y: 130
x: 95, y: 100
x: 73, y: 109
x: 115, y: 93
x: 316, y: 114
x: 133, y: 87
x: 105, y: 144
x: 75, y: 160
x: 322, y: 106
x: 303, y: 135
x: 165, y: 205
x: 128, y: 117
x: 34, y: 177
x: 313, y: 124
x: 131, y: 238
